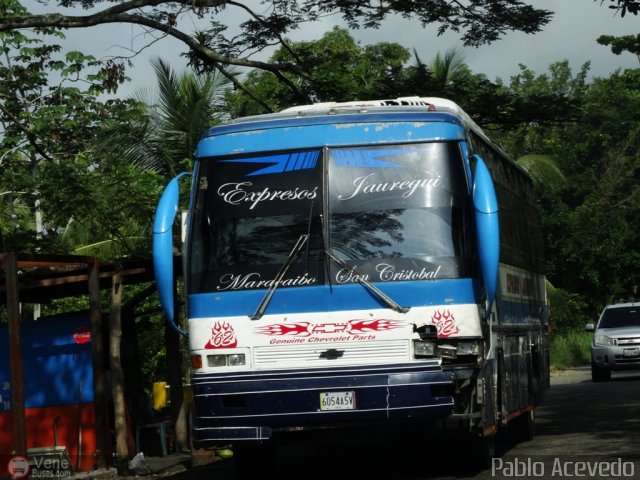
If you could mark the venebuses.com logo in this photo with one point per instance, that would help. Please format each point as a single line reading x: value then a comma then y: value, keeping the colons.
x: 39, y: 467
x: 18, y: 467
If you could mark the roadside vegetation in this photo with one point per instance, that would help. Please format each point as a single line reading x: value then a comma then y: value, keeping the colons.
x: 570, y: 349
x: 569, y: 342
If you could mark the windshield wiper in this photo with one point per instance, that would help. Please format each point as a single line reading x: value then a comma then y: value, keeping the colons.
x: 380, y: 294
x: 293, y: 255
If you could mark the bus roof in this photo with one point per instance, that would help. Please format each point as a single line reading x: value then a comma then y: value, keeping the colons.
x: 330, y: 109
x: 431, y: 104
x: 411, y: 109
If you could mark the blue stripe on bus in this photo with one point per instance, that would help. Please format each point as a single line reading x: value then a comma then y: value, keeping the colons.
x: 334, y: 298
x: 341, y: 134
x: 280, y: 163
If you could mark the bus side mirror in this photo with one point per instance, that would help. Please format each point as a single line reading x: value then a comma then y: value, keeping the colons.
x: 163, y: 248
x: 485, y: 204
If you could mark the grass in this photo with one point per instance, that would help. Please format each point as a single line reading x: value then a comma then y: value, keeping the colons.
x: 570, y: 349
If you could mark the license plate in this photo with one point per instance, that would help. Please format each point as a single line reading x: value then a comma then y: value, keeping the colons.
x: 631, y: 352
x: 337, y: 400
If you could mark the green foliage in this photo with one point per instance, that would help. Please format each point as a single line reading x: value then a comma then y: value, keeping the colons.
x: 339, y: 69
x: 565, y: 310
x: 598, y: 250
x: 255, y: 28
x: 624, y: 43
x: 624, y: 6
x: 589, y: 219
x: 543, y: 169
x: 98, y: 228
x: 163, y: 139
x: 571, y: 349
x: 50, y: 171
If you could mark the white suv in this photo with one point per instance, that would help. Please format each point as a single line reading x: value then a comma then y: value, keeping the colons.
x: 616, y: 340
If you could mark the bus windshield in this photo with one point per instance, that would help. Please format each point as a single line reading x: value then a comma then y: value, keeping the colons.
x: 399, y: 213
x: 391, y: 213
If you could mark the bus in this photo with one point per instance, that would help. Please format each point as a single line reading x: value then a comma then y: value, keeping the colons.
x: 355, y: 264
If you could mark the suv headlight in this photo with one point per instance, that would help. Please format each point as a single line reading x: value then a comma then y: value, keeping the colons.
x: 603, y: 340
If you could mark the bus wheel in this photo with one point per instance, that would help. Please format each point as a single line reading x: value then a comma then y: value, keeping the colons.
x: 523, y: 427
x: 484, y: 451
x: 254, y: 459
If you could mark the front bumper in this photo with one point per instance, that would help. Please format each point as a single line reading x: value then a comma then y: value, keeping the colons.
x: 616, y: 357
x: 253, y: 405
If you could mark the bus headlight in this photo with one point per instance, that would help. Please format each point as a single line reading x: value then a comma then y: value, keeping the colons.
x: 468, y: 348
x: 423, y: 349
x: 236, y: 359
x: 216, y: 360
x: 226, y: 360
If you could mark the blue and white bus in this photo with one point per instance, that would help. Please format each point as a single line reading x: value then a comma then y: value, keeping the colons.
x: 360, y: 263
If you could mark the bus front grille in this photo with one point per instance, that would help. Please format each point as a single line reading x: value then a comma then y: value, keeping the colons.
x: 328, y: 354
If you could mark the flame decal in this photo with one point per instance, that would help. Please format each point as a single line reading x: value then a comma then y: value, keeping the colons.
x: 293, y: 329
x: 445, y: 323
x: 362, y: 326
x: 222, y: 336
x: 352, y: 327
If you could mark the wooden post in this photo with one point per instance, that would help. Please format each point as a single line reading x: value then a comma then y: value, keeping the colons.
x: 117, y: 376
x: 103, y: 448
x: 175, y: 369
x: 174, y: 378
x: 15, y: 356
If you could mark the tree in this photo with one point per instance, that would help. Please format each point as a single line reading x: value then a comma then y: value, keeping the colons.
x: 448, y: 68
x: 50, y: 173
x: 341, y: 70
x: 588, y: 220
x: 603, y: 193
x: 446, y: 76
x: 624, y: 6
x: 176, y: 116
x: 624, y: 43
x: 344, y: 70
x: 478, y: 21
x: 531, y: 112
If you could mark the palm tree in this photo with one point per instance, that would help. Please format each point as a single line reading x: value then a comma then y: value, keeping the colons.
x: 433, y: 79
x: 187, y: 106
x: 448, y: 68
x: 161, y: 136
x: 182, y: 108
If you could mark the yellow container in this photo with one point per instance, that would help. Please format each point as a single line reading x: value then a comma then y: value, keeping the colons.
x: 159, y: 395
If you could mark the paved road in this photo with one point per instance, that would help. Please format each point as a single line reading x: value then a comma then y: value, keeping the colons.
x: 584, y: 430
